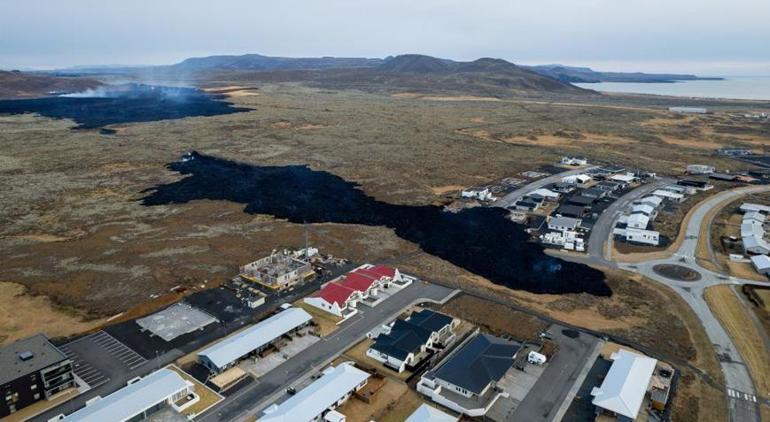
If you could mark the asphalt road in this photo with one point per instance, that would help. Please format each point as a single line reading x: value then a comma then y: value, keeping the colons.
x: 514, y: 196
x: 253, y: 398
x: 737, y: 378
x: 602, y: 229
x: 554, y: 390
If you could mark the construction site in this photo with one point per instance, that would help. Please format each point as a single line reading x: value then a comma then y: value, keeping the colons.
x: 281, y: 270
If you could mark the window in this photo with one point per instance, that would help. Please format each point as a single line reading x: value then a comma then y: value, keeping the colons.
x: 37, y: 396
x: 33, y: 387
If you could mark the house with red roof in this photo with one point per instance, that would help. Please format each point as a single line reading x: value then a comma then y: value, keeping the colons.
x: 362, y: 285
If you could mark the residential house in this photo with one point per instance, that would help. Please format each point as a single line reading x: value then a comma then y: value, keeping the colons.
x: 623, y: 389
x: 761, y: 264
x: 573, y: 211
x: 466, y: 381
x: 411, y: 340
x: 426, y: 413
x: 563, y: 223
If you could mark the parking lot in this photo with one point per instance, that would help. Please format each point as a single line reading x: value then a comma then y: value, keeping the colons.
x: 261, y: 366
x: 92, y: 376
x: 553, y: 391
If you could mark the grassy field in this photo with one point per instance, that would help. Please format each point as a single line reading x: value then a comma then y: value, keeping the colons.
x: 746, y: 335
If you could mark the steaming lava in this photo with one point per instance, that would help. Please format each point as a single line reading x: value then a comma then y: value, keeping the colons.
x: 481, y: 240
x: 125, y: 103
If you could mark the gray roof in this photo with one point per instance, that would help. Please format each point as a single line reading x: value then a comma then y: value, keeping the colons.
x: 480, y: 361
x: 44, y: 354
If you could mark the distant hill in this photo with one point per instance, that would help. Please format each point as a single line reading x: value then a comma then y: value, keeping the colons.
x: 573, y: 74
x: 486, y: 75
x: 260, y: 62
x: 15, y: 84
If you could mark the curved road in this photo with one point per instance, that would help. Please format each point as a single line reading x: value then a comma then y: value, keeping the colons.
x: 740, y: 387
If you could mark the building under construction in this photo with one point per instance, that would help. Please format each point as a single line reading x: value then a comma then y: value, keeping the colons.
x: 280, y: 270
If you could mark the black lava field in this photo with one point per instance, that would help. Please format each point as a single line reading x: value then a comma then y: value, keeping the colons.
x: 126, y: 103
x: 481, y: 240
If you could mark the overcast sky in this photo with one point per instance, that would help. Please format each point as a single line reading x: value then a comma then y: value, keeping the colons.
x: 696, y: 36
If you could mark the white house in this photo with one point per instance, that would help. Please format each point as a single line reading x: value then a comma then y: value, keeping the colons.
x: 653, y: 201
x: 319, y: 398
x: 761, y: 264
x: 623, y: 178
x: 574, y: 161
x: 668, y: 195
x: 625, y: 385
x: 746, y: 207
x: 547, y: 194
x: 637, y: 221
x: 645, y: 209
x: 700, y: 169
x: 647, y: 237
x: 577, y: 179
x: 482, y: 194
x: 563, y: 223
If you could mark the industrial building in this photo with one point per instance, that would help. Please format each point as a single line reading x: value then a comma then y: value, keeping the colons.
x: 409, y: 341
x: 31, y: 370
x: 252, y: 340
x: 280, y: 270
x: 466, y: 381
x: 140, y: 399
x: 319, y: 400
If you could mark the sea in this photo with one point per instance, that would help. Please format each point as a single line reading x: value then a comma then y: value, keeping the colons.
x: 732, y: 87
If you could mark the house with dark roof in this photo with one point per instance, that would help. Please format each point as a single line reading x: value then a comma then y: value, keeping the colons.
x: 466, y: 381
x: 32, y: 369
x: 581, y: 200
x: 409, y: 341
x: 573, y: 211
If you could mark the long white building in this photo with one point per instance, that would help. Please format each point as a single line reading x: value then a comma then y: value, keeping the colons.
x: 227, y: 352
x: 319, y: 398
x: 139, y: 400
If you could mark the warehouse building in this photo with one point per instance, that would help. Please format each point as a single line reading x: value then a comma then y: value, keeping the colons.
x: 139, y: 400
x: 229, y: 351
x: 321, y: 398
x: 31, y: 370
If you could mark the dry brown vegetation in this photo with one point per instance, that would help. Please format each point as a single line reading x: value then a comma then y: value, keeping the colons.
x: 22, y: 315
x: 748, y: 339
x: 73, y: 228
x: 494, y: 318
